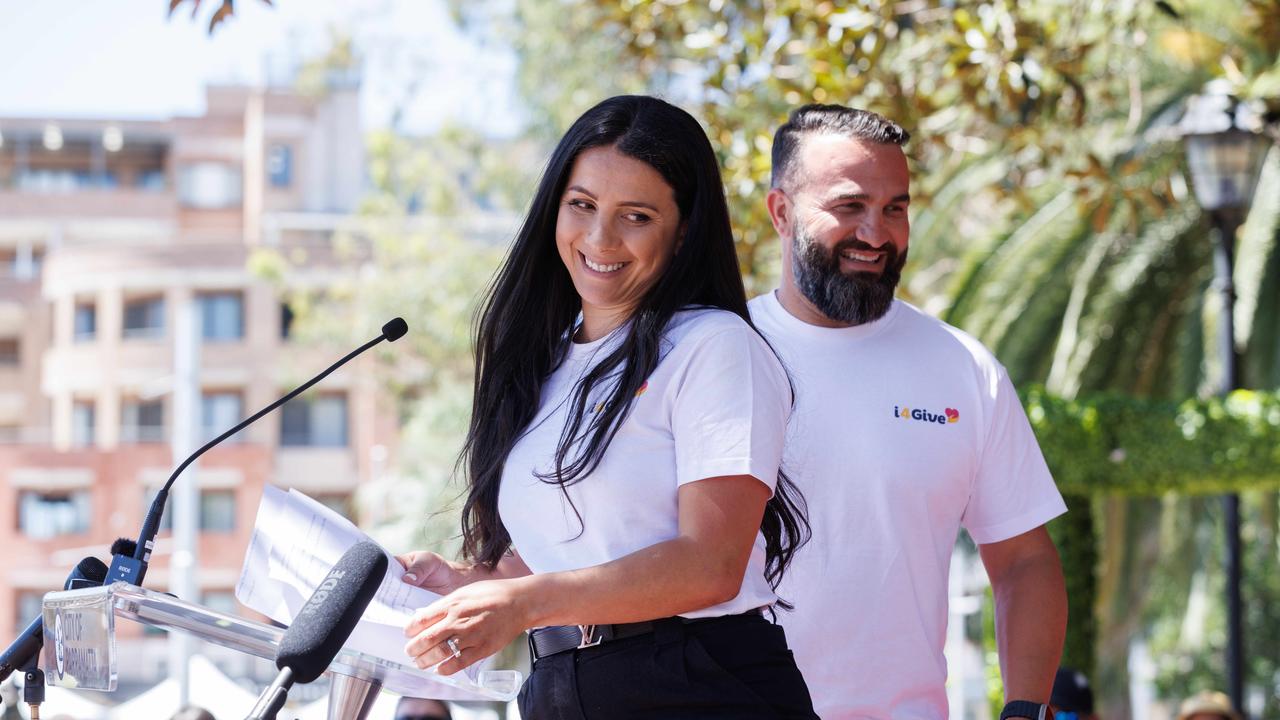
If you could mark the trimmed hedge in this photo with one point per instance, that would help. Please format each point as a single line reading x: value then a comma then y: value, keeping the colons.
x: 1111, y: 444
x: 1117, y: 444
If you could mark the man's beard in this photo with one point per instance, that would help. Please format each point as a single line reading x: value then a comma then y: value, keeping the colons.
x: 852, y: 299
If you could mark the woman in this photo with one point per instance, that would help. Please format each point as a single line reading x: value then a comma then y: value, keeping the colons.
x: 624, y: 497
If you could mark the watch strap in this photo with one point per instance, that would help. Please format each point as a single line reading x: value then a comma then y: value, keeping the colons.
x: 1025, y: 709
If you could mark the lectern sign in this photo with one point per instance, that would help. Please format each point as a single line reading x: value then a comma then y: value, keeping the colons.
x: 80, y: 640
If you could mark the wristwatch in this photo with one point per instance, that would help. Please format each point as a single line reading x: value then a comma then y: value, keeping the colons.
x: 1026, y: 709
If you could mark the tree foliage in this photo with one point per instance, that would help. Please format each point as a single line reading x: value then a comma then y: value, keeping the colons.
x: 1052, y: 218
x: 224, y: 11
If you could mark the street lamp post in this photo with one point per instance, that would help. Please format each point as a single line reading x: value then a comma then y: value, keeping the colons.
x: 1225, y: 149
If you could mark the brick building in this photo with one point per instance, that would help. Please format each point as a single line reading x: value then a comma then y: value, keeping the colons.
x: 107, y: 227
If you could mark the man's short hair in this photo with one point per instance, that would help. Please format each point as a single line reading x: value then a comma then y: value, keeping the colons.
x: 834, y: 119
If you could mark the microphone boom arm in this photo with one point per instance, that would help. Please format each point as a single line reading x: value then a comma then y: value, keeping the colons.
x: 134, y: 572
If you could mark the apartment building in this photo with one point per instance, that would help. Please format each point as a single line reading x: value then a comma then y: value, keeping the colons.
x: 110, y: 228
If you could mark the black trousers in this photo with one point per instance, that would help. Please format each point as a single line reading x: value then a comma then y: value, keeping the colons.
x: 737, y: 666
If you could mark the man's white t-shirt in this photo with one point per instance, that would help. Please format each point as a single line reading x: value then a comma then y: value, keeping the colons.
x: 904, y: 430
x: 717, y: 404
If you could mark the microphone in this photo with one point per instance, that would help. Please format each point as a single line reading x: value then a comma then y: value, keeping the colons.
x: 90, y: 572
x: 323, y: 624
x: 132, y: 568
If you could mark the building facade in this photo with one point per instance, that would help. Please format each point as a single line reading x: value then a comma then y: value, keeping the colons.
x: 108, y: 230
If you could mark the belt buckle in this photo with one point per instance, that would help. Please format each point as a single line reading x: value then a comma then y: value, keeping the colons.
x: 589, y: 637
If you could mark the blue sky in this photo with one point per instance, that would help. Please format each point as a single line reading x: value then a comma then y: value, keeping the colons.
x: 124, y: 59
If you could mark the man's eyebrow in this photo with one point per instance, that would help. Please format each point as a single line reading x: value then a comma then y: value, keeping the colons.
x: 903, y: 198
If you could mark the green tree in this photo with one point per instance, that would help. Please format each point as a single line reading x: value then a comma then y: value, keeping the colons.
x: 1054, y: 217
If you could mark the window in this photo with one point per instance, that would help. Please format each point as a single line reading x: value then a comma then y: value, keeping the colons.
x: 166, y: 517
x: 47, y: 514
x: 314, y: 422
x: 82, y: 423
x: 280, y: 165
x: 25, y: 266
x: 221, y: 316
x: 209, y: 186
x: 144, y: 318
x: 286, y: 320
x: 86, y: 323
x: 142, y: 421
x: 9, y: 355
x: 339, y: 503
x: 219, y: 412
x: 28, y: 605
x: 217, y: 510
x: 151, y: 180
x: 224, y: 601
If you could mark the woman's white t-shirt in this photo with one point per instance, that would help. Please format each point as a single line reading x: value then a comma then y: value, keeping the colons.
x: 717, y: 404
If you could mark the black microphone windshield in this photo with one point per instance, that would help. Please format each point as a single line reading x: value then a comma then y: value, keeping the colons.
x: 325, y: 622
x: 395, y: 329
x: 124, y: 546
x: 90, y: 572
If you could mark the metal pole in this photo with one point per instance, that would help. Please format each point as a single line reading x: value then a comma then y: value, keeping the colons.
x: 1226, y: 222
x: 186, y: 492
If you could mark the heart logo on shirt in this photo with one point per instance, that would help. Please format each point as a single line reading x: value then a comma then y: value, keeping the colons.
x: 600, y: 405
x: 950, y: 415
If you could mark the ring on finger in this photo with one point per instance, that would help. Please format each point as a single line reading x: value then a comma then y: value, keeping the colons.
x: 453, y: 646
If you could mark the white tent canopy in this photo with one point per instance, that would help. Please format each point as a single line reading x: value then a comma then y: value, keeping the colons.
x: 210, y: 689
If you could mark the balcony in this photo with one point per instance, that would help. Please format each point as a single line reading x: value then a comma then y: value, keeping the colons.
x: 88, y: 203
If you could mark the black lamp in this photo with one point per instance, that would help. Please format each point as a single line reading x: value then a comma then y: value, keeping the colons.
x: 1225, y: 148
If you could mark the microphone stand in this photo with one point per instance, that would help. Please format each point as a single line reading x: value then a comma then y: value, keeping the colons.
x: 33, y: 686
x: 134, y: 569
x: 273, y: 698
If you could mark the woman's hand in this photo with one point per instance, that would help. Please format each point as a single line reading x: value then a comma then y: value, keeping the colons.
x: 432, y: 572
x: 480, y: 618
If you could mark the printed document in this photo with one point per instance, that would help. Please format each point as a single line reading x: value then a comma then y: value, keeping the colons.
x: 296, y: 541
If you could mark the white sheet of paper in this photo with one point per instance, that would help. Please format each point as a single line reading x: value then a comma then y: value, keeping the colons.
x: 296, y: 541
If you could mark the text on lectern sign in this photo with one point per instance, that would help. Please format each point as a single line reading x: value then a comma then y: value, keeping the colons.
x: 80, y: 640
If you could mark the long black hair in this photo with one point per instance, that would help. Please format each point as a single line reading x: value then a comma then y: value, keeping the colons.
x: 528, y: 315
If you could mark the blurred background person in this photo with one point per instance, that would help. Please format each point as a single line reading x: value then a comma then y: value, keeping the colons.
x: 1208, y: 705
x: 410, y: 708
x: 1072, y: 697
x: 192, y: 712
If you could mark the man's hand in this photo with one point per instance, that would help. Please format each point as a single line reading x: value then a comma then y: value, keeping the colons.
x: 1031, y: 612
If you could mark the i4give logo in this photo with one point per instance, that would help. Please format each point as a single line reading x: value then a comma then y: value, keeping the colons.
x: 950, y: 415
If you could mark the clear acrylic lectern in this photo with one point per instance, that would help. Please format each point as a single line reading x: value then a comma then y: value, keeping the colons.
x: 79, y: 648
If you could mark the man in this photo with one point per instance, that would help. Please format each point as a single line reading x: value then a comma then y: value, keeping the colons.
x: 904, y: 430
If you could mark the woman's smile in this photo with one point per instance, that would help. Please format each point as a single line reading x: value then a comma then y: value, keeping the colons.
x: 602, y: 269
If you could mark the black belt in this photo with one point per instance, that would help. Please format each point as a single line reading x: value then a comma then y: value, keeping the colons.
x: 562, y: 638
